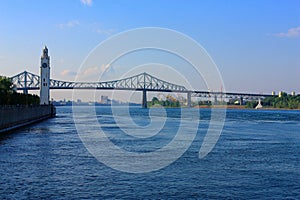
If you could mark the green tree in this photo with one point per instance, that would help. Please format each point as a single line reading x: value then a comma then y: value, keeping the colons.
x: 251, y: 104
x: 6, y: 85
x: 9, y: 97
x: 155, y: 101
x: 285, y: 101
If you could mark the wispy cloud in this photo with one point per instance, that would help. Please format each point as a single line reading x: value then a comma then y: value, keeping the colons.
x: 291, y: 33
x: 93, y: 73
x: 69, y: 24
x: 87, y: 2
x: 95, y: 70
x: 67, y: 72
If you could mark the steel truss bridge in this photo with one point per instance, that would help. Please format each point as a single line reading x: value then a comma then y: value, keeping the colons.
x: 144, y: 82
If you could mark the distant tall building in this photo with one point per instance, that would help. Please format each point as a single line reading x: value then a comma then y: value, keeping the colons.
x: 104, y: 99
x: 45, y: 77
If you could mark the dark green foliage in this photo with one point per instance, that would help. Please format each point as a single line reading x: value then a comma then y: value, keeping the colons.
x: 285, y: 101
x: 164, y: 103
x: 9, y: 97
x: 6, y: 85
x: 206, y: 103
x: 155, y: 101
x: 251, y: 104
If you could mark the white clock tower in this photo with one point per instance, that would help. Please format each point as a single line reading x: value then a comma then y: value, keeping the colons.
x: 45, y: 77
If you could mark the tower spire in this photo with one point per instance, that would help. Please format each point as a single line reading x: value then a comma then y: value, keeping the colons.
x: 45, y: 52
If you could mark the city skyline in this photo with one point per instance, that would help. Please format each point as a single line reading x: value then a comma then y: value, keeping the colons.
x: 254, y: 44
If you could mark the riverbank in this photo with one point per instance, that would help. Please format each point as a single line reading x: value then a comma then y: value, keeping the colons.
x: 15, y: 116
x: 241, y: 107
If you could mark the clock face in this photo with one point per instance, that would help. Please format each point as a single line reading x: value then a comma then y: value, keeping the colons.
x: 44, y: 65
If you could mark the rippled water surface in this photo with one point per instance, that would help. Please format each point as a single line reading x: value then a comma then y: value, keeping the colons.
x: 257, y: 156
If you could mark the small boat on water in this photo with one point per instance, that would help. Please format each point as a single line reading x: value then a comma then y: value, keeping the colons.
x: 259, y: 106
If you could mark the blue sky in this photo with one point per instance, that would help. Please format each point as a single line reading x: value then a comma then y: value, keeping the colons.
x: 255, y: 44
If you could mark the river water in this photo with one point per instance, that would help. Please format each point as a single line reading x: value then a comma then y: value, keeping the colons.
x: 256, y: 157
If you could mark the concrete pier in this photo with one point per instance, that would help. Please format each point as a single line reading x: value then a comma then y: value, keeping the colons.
x: 144, y: 99
x: 13, y: 116
x: 189, y: 99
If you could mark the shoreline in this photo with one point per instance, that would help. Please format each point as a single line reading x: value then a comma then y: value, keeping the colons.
x: 202, y: 106
x: 242, y: 107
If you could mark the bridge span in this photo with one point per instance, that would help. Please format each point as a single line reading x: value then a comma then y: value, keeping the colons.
x: 143, y: 82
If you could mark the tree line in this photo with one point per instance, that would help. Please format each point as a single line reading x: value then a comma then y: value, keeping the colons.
x: 164, y: 103
x: 285, y: 101
x: 9, y: 95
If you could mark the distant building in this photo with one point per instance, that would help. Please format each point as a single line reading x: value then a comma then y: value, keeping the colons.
x: 104, y: 100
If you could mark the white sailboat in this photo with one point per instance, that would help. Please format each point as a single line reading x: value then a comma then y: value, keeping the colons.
x: 259, y: 106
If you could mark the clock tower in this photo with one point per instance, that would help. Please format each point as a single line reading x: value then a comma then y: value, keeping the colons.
x: 45, y: 77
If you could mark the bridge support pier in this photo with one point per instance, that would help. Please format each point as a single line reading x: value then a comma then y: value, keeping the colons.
x: 25, y: 91
x: 241, y: 101
x: 189, y: 99
x: 144, y: 100
x: 215, y: 98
